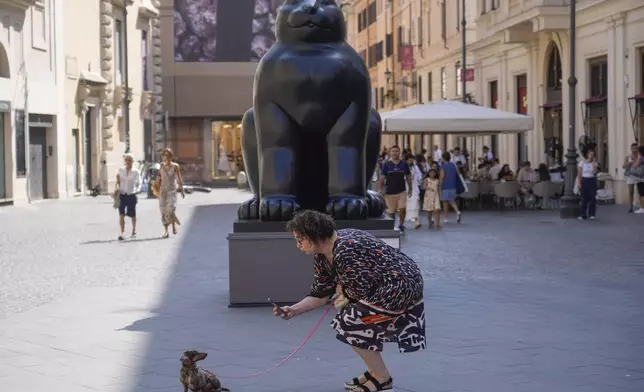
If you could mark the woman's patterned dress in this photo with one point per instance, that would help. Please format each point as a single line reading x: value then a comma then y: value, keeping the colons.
x: 168, y: 194
x: 385, y: 290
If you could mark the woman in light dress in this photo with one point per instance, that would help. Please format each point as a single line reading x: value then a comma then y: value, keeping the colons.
x: 169, y: 177
x: 413, y: 201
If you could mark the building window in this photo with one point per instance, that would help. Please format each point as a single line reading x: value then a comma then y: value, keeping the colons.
x: 598, y: 78
x: 420, y: 31
x: 443, y: 83
x: 21, y: 147
x: 414, y: 90
x: 389, y: 44
x: 459, y: 84
x: 458, y: 15
x: 379, y: 52
x: 144, y: 59
x: 404, y: 88
x: 443, y: 21
x: 430, y: 88
x: 118, y: 51
x: 420, y: 89
x: 372, y: 13
x: 382, y: 97
x: 429, y: 26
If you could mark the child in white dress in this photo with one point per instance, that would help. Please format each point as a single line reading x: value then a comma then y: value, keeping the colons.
x: 432, y: 201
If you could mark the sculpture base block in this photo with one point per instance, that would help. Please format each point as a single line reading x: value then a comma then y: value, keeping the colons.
x: 263, y: 261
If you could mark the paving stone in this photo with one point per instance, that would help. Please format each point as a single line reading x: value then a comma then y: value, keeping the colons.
x: 515, y: 301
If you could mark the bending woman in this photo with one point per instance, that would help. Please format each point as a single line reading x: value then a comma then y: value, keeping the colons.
x: 380, y: 293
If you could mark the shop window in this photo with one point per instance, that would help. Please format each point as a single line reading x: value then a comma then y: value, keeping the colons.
x: 21, y: 152
x: 226, y: 149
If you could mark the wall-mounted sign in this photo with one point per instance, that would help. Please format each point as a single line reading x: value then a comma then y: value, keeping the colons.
x: 407, y: 57
x: 469, y: 74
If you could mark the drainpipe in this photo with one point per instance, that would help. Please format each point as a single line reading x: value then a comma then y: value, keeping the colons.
x: 126, y: 84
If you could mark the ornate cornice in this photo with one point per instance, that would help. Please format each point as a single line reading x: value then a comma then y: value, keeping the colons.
x: 22, y: 5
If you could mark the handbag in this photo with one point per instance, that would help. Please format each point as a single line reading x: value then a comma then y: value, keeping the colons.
x: 156, y: 187
x: 638, y: 171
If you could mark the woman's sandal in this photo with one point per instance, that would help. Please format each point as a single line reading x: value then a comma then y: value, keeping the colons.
x: 384, y: 386
x: 356, y: 381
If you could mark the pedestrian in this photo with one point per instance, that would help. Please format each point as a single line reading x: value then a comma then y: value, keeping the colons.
x: 169, y: 178
x: 380, y: 293
x: 448, y: 178
x: 413, y: 199
x: 637, y: 171
x: 432, y: 201
x: 396, y: 180
x: 587, y: 183
x: 631, y: 181
x: 128, y: 185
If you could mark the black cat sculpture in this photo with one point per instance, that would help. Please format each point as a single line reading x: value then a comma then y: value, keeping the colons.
x: 311, y: 140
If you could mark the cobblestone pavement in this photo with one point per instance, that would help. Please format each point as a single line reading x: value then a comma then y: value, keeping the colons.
x: 516, y: 302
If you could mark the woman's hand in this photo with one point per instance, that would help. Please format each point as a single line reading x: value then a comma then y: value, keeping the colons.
x: 284, y: 312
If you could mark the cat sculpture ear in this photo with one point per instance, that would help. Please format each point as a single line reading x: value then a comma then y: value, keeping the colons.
x: 315, y: 21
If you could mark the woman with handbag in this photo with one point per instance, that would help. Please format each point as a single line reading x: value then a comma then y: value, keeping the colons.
x: 637, y: 173
x: 631, y: 181
x: 168, y: 179
x: 380, y: 293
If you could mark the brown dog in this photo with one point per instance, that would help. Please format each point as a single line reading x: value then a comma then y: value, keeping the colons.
x: 195, y: 378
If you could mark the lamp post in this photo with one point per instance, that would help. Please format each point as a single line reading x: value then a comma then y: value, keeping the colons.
x: 464, y: 51
x: 570, y: 205
x: 126, y: 84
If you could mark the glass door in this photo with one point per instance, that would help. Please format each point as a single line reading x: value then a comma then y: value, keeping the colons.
x: 3, y: 188
x: 226, y: 149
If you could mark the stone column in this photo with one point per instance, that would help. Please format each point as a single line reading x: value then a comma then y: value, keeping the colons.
x: 503, y: 95
x: 534, y: 102
x: 157, y: 83
x: 107, y: 67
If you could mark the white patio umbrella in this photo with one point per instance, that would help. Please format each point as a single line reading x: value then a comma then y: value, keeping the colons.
x: 453, y: 117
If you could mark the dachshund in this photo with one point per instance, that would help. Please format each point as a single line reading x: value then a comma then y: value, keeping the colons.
x: 195, y: 378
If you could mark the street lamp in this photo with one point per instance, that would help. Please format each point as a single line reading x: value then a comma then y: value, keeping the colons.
x: 570, y: 206
x: 126, y: 84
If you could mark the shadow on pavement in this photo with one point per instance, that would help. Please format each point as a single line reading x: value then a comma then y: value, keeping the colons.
x: 125, y: 241
x: 192, y: 312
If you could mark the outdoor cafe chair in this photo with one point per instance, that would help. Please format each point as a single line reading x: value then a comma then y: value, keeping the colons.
x: 506, y: 192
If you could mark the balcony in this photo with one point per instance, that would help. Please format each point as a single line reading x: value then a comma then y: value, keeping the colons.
x: 22, y: 5
x: 520, y: 20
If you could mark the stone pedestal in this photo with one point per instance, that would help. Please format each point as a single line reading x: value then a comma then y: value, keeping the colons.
x: 264, y: 261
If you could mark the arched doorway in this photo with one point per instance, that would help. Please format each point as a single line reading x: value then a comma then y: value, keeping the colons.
x: 552, y: 119
x: 5, y: 72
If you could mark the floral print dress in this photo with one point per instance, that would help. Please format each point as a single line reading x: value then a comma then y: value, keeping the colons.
x: 168, y: 194
x: 384, y: 288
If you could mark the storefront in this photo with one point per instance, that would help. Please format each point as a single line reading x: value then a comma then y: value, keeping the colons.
x: 226, y: 149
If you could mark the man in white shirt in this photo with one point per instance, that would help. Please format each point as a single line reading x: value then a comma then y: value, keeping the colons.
x: 438, y: 154
x: 493, y: 173
x: 458, y: 157
x: 128, y: 185
x: 487, y: 155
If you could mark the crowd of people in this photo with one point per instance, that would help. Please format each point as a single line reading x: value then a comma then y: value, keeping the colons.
x: 431, y: 182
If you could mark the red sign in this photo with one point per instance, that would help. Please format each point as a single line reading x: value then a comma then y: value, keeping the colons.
x: 523, y: 100
x: 407, y: 57
x: 469, y: 74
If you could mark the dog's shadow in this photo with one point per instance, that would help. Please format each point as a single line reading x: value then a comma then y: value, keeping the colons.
x: 125, y: 241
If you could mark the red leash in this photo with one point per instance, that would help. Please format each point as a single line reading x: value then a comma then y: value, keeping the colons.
x: 282, y: 362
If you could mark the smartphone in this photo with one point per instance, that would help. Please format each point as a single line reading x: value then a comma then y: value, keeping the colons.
x: 279, y: 309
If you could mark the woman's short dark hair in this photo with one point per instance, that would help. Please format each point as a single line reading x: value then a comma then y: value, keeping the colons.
x: 317, y: 227
x: 447, y: 156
